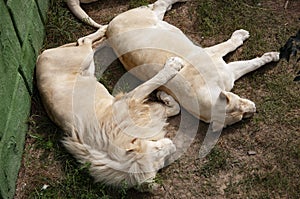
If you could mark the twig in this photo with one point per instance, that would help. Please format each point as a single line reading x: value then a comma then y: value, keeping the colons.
x: 286, y: 4
x: 254, y: 7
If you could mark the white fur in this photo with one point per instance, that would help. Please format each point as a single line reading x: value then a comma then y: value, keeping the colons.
x: 140, y: 37
x: 121, y: 137
x: 74, y: 6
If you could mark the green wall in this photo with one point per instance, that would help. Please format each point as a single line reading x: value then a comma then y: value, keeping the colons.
x: 21, y: 37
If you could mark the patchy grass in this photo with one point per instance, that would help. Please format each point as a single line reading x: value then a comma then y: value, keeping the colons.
x: 62, y: 27
x: 137, y: 3
x: 215, y: 161
x: 228, y: 171
x: 76, y: 184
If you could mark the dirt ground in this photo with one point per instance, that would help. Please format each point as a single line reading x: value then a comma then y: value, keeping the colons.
x: 255, y: 158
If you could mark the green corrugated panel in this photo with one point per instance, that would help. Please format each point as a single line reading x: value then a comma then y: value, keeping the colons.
x: 20, y: 10
x: 28, y: 22
x: 43, y: 8
x: 17, y: 63
x: 12, y: 142
x: 14, y: 106
x: 36, y: 33
x: 30, y: 29
x: 28, y: 61
x: 10, y: 55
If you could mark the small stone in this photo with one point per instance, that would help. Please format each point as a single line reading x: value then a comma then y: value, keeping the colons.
x: 45, y: 186
x: 251, y: 152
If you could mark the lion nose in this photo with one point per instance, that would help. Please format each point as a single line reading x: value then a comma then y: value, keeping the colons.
x: 249, y: 113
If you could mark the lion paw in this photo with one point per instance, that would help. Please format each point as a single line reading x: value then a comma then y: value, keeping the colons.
x: 167, y: 146
x: 174, y: 64
x: 271, y: 56
x: 167, y: 99
x: 241, y: 35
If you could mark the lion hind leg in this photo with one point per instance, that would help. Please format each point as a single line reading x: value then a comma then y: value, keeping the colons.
x: 160, y: 7
x: 99, y: 34
x: 74, y: 6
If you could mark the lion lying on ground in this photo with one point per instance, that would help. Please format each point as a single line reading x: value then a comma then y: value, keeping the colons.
x: 121, y: 137
x: 143, y: 42
x: 140, y: 37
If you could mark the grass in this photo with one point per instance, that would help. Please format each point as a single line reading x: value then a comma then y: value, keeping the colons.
x: 137, y: 3
x: 62, y: 27
x: 273, y: 133
x: 216, y: 160
x: 76, y: 184
x: 277, y: 101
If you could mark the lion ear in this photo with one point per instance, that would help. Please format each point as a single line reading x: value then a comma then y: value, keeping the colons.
x: 134, y: 145
x: 224, y: 96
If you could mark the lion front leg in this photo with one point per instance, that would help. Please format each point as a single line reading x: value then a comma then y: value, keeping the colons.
x: 171, y: 68
x: 172, y: 107
x: 240, y: 68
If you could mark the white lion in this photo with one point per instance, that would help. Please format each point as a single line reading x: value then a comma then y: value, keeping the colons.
x: 123, y: 137
x: 143, y: 43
